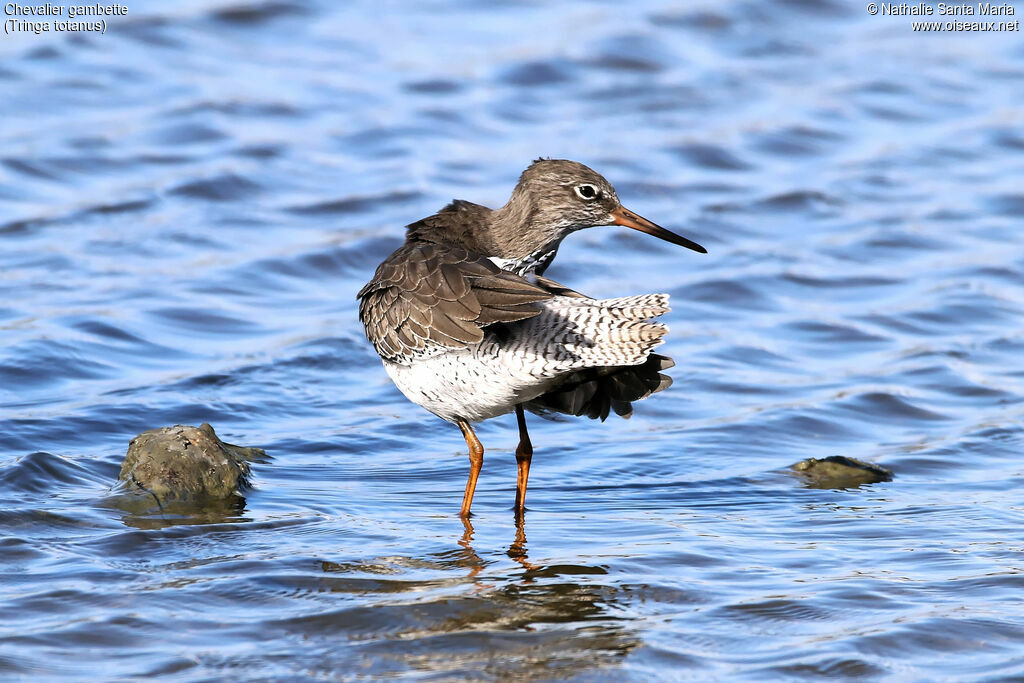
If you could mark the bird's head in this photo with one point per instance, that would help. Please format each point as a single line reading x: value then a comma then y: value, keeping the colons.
x: 555, y: 197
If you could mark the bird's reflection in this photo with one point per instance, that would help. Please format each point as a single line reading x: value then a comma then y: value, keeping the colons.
x: 470, y: 558
x: 554, y: 620
x: 517, y: 550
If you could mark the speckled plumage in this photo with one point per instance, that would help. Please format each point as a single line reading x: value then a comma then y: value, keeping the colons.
x: 535, y: 356
x: 469, y: 328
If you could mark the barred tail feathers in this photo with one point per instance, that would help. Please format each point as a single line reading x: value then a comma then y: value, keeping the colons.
x: 574, y: 333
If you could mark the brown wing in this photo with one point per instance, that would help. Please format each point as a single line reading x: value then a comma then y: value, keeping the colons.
x: 596, y: 392
x: 434, y: 293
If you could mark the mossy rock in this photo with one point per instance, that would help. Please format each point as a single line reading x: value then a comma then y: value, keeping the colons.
x: 840, y: 472
x: 186, y: 464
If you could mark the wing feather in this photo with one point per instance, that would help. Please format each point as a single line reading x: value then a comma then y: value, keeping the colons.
x: 596, y: 392
x: 441, y: 294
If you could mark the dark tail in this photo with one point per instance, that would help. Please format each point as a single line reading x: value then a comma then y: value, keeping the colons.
x: 595, y: 392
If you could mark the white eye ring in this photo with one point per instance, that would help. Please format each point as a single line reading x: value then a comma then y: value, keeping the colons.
x: 587, y: 192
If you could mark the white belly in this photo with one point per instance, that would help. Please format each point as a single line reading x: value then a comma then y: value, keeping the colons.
x: 467, y: 384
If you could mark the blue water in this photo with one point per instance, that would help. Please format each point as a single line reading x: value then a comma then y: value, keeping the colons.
x: 189, y: 202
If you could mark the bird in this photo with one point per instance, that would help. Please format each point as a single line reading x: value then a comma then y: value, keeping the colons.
x: 469, y: 328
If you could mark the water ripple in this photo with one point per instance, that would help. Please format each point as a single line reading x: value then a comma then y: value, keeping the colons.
x: 189, y: 203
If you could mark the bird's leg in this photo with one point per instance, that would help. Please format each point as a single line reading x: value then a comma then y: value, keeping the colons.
x: 476, y: 460
x: 524, y: 453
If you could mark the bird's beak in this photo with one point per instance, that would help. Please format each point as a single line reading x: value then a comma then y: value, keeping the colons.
x: 623, y: 216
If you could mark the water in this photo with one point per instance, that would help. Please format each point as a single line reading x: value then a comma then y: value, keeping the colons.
x: 189, y: 202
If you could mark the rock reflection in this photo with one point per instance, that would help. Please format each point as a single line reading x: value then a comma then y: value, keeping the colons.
x: 142, y: 511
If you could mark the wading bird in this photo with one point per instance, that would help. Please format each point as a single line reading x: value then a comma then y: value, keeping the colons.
x: 468, y: 327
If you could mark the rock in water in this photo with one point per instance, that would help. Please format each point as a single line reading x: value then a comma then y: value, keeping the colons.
x: 840, y: 472
x: 186, y: 464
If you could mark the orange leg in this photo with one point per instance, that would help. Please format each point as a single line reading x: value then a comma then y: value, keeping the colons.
x: 476, y: 460
x: 524, y: 453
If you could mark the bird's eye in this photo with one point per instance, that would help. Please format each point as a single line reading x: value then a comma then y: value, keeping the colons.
x: 587, y: 192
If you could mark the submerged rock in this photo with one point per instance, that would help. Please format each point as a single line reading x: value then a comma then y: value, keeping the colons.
x: 840, y: 472
x: 186, y: 464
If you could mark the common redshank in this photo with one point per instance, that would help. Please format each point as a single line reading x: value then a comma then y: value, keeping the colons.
x: 468, y: 327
